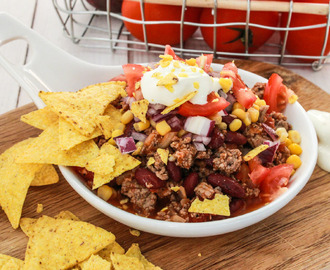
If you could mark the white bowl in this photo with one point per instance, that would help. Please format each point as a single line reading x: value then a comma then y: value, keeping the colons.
x: 297, y: 116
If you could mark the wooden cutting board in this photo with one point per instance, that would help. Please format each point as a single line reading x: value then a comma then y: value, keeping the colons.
x: 296, y: 237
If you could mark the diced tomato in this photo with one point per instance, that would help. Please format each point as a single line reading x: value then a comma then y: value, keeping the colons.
x: 243, y: 173
x: 276, y: 94
x: 243, y: 94
x: 120, y: 77
x: 169, y: 51
x: 259, y: 174
x: 204, y: 62
x: 133, y: 74
x: 277, y: 178
x: 215, y: 104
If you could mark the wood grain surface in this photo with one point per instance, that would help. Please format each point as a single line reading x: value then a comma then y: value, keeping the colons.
x: 296, y: 237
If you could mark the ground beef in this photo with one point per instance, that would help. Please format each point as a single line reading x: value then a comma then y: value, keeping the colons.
x: 100, y: 141
x: 259, y: 89
x: 204, y: 191
x: 185, y: 152
x: 251, y: 192
x: 281, y: 155
x: 227, y: 160
x: 176, y: 211
x: 151, y: 143
x: 262, y: 113
x: 159, y: 167
x: 255, y: 134
x: 280, y: 120
x: 142, y: 199
x: 204, y: 154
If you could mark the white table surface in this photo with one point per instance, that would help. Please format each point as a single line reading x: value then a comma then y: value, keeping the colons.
x: 41, y: 16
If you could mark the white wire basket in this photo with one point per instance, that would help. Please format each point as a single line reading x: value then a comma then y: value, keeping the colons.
x: 89, y: 27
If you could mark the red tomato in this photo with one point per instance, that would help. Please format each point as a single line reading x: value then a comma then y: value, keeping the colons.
x: 232, y: 38
x: 277, y: 178
x: 306, y: 42
x: 276, y: 93
x: 258, y: 174
x: 242, y: 93
x: 169, y: 51
x: 189, y: 109
x: 133, y: 74
x: 204, y: 62
x: 160, y: 33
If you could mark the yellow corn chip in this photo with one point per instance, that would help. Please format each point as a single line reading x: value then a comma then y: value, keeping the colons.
x: 175, y: 189
x: 163, y: 153
x: 254, y: 152
x: 40, y: 208
x: 219, y: 205
x: 70, y: 137
x: 123, y: 262
x: 80, y: 108
x: 27, y: 225
x: 103, y: 164
x: 123, y: 163
x: 61, y: 244
x: 46, y: 176
x: 67, y: 215
x: 10, y: 263
x: 112, y: 248
x: 178, y: 102
x: 45, y: 149
x: 139, y: 109
x: 15, y: 180
x: 108, y: 121
x: 169, y: 79
x: 41, y: 119
x: 135, y: 252
x: 95, y: 262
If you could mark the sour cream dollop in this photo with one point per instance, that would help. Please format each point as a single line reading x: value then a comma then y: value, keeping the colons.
x: 321, y: 122
x: 190, y: 78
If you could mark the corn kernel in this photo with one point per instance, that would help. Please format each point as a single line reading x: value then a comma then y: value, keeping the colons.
x: 217, y: 118
x: 241, y: 114
x: 140, y: 126
x: 282, y: 134
x: 294, y: 160
x: 238, y: 106
x: 295, y: 149
x: 247, y: 120
x: 191, y: 61
x: 181, y: 133
x: 235, y: 125
x: 139, y: 146
x: 117, y: 133
x: 153, y: 123
x: 287, y: 142
x: 223, y: 126
x: 226, y: 84
x: 163, y: 128
x: 260, y: 102
x: 256, y: 106
x: 120, y: 126
x: 294, y: 136
x: 127, y: 117
x: 254, y: 114
x: 105, y: 192
x: 293, y: 99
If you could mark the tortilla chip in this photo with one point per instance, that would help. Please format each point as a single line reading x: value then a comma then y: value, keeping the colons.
x: 80, y: 108
x: 60, y: 244
x: 151, y: 161
x: 15, y: 180
x: 45, y: 149
x: 219, y: 205
x: 123, y: 163
x: 112, y: 248
x: 254, y: 152
x: 163, y: 153
x: 103, y: 164
x: 40, y: 208
x: 47, y: 175
x: 139, y: 109
x: 69, y: 137
x: 123, y: 262
x: 27, y: 225
x: 95, y: 262
x: 135, y: 252
x: 41, y: 119
x: 67, y: 215
x: 178, y: 102
x: 10, y: 263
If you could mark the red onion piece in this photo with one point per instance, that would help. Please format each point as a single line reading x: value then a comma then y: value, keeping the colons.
x: 157, y: 106
x: 199, y: 125
x: 271, y: 132
x: 223, y: 113
x: 126, y: 144
x: 199, y: 146
x: 160, y: 117
x: 138, y: 136
x: 231, y: 99
x: 175, y: 123
x: 267, y: 156
x: 201, y: 139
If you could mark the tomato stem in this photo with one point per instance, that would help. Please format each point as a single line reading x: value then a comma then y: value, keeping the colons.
x: 241, y: 36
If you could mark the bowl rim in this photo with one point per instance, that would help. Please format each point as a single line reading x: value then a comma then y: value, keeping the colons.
x: 202, y: 229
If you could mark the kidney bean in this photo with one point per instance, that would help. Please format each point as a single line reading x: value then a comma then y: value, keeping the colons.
x: 227, y: 185
x: 231, y: 99
x: 148, y: 179
x: 128, y: 129
x: 235, y: 137
x: 236, y: 205
x: 174, y: 171
x: 190, y: 183
x: 227, y: 119
x: 217, y: 139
